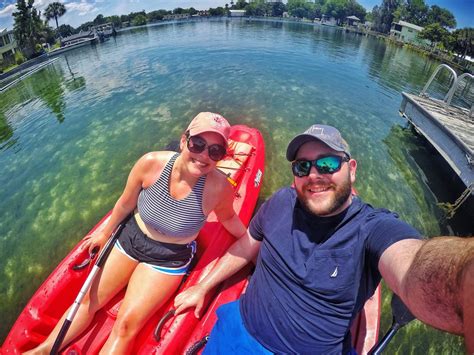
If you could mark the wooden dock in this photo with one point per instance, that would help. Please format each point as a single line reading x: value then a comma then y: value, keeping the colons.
x: 449, y: 129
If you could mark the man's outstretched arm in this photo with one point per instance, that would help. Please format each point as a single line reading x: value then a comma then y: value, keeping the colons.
x: 435, y: 279
x: 237, y: 256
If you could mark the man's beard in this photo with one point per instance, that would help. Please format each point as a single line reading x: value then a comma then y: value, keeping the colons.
x: 330, y: 204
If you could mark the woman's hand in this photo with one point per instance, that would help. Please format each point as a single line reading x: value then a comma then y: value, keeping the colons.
x: 95, y: 242
x: 191, y: 297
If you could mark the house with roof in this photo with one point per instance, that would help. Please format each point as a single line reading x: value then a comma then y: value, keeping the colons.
x: 328, y: 20
x: 176, y: 17
x: 236, y: 13
x: 8, y: 46
x: 353, y: 20
x: 406, y: 32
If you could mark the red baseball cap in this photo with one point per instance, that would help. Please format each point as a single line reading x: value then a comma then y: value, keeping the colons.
x: 209, y: 122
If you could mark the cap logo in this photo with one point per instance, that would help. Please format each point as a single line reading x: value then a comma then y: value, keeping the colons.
x: 316, y: 130
x: 217, y: 121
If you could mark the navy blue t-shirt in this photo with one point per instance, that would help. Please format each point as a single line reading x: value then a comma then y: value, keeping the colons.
x: 314, y: 274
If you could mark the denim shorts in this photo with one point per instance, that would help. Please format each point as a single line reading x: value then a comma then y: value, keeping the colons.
x: 168, y: 258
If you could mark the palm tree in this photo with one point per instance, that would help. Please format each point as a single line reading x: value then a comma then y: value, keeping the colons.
x: 54, y: 10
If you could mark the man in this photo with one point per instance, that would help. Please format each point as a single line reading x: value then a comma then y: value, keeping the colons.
x: 321, y: 254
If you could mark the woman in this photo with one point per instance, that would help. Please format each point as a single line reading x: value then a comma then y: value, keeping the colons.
x: 166, y: 201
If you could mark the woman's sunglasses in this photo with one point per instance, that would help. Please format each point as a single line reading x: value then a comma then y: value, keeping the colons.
x: 197, y: 145
x: 325, y: 165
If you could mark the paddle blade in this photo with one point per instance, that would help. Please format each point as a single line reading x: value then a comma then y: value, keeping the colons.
x: 401, y: 317
x: 401, y: 313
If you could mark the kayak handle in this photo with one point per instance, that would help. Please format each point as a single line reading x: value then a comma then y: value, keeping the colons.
x: 194, y: 349
x: 162, y: 322
x: 86, y: 262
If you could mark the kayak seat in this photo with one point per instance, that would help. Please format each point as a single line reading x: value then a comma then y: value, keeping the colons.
x: 234, y: 162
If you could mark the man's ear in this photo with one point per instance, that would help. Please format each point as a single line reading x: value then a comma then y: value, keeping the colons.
x: 352, y: 169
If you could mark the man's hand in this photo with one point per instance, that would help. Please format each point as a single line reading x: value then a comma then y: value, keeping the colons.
x: 192, y: 297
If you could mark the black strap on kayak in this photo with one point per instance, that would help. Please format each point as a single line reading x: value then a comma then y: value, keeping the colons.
x: 85, y: 263
x: 170, y: 313
x: 161, y: 323
x: 194, y: 349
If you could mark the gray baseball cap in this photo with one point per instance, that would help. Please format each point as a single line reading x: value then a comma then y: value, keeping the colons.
x: 326, y: 134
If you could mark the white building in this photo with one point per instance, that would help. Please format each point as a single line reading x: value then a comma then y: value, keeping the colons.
x: 176, y: 17
x: 328, y: 21
x: 8, y: 45
x: 237, y: 13
x: 405, y: 31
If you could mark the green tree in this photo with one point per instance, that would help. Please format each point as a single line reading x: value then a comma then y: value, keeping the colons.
x: 139, y: 20
x: 99, y: 20
x: 27, y: 27
x: 65, y: 30
x: 256, y: 8
x: 278, y: 8
x: 337, y: 9
x: 54, y: 10
x: 295, y: 4
x: 417, y: 12
x: 218, y: 11
x: 356, y: 9
x: 156, y: 15
x: 114, y: 20
x: 413, y: 11
x: 240, y: 5
x: 463, y: 42
x: 434, y: 32
x: 132, y: 15
x: 383, y: 15
x: 442, y: 16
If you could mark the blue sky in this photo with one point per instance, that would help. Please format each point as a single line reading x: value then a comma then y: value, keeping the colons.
x: 80, y: 11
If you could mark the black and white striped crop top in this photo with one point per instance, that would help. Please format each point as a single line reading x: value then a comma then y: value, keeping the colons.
x: 171, y: 217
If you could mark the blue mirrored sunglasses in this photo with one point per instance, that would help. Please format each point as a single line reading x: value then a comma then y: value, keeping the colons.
x: 324, y: 165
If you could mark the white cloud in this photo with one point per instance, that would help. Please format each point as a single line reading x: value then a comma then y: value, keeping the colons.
x: 8, y: 10
x: 83, y: 8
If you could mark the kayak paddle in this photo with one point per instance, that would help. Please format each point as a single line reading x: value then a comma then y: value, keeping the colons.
x: 401, y: 317
x: 75, y: 306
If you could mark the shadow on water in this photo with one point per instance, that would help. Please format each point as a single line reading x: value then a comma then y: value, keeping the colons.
x: 415, y: 159
x: 6, y: 132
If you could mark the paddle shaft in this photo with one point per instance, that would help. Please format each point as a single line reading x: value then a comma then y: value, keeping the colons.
x: 386, y: 339
x: 85, y: 287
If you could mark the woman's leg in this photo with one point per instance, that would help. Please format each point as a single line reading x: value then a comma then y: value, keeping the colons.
x: 109, y: 281
x: 147, y: 291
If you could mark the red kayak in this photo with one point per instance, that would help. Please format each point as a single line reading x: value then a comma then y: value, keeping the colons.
x: 166, y: 333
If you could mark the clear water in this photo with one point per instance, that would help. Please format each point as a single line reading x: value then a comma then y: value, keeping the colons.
x: 70, y: 133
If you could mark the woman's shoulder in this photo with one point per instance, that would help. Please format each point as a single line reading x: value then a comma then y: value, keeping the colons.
x: 157, y: 158
x: 152, y: 162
